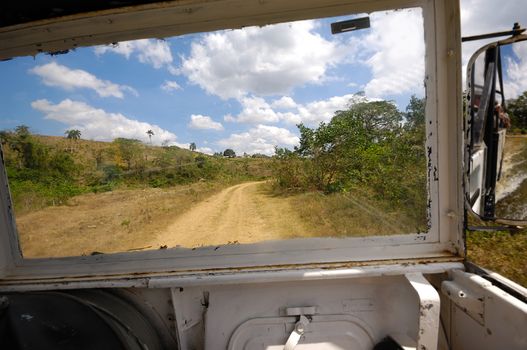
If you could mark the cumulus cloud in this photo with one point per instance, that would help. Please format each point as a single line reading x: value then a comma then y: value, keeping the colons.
x: 260, y: 139
x: 323, y: 110
x: 154, y: 52
x: 206, y: 150
x: 394, y: 51
x: 97, y: 124
x: 256, y: 110
x: 484, y: 16
x: 203, y: 122
x: 285, y: 102
x: 57, y: 75
x: 261, y: 61
x: 516, y: 71
x: 170, y: 85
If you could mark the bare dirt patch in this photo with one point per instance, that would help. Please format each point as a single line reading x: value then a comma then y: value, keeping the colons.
x: 245, y: 213
x: 108, y: 222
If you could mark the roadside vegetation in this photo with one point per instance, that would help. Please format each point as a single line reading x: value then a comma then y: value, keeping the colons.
x: 501, y: 251
x: 517, y: 110
x: 368, y: 162
x: 48, y: 171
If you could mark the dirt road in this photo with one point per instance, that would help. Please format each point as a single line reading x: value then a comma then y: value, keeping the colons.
x: 242, y: 213
x: 186, y: 216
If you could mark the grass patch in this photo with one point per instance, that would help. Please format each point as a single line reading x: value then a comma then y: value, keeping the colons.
x: 347, y: 214
x: 501, y: 252
x: 109, y: 222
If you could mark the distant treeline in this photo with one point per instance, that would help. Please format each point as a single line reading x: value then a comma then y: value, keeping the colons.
x: 48, y: 170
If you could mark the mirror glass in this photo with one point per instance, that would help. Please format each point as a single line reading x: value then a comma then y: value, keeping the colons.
x: 498, y: 114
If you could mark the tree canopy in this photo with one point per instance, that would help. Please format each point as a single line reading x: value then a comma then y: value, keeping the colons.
x: 517, y: 109
x: 370, y: 146
x: 73, y: 134
x: 229, y: 153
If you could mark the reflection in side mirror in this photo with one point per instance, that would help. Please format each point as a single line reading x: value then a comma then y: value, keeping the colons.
x: 497, y: 137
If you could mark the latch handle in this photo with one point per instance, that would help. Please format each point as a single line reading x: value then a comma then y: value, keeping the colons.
x: 296, y: 334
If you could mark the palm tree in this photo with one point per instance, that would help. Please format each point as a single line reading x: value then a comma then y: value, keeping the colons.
x: 150, y: 133
x: 22, y: 131
x: 73, y: 134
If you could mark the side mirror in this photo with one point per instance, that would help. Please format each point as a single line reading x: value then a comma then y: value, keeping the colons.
x: 496, y: 132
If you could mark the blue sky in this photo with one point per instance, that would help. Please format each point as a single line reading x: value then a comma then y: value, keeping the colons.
x: 242, y: 89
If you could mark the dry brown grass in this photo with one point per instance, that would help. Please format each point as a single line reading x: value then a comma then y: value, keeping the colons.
x: 346, y: 215
x: 108, y: 222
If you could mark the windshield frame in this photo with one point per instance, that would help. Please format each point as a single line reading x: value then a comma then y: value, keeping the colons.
x: 444, y: 240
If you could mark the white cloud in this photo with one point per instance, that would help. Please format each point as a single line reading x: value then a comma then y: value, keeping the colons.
x: 256, y: 110
x: 198, y: 121
x: 264, y: 61
x: 323, y: 110
x: 285, y: 102
x: 97, y: 124
x: 515, y: 80
x: 394, y: 51
x: 170, y: 85
x: 154, y: 52
x: 56, y: 75
x: 206, y: 150
x: 260, y: 139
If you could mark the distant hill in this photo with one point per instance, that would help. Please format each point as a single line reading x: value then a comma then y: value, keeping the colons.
x: 47, y: 170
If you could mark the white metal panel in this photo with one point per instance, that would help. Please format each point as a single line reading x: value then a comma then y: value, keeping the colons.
x: 227, y: 277
x: 450, y: 124
x: 477, y: 176
x: 429, y: 307
x: 502, y: 325
x: 382, y: 305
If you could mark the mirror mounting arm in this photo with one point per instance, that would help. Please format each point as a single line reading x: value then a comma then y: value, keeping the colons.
x: 516, y: 30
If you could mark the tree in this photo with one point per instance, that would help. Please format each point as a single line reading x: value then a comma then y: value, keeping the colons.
x: 353, y: 147
x: 229, y: 153
x: 415, y: 112
x: 192, y: 147
x: 73, y: 134
x: 150, y: 133
x: 129, y: 150
x: 517, y: 109
x: 5, y: 137
x: 32, y: 154
x: 22, y: 131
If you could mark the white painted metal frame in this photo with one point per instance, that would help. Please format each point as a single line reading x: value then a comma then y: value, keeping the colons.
x: 443, y: 87
x: 429, y: 306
